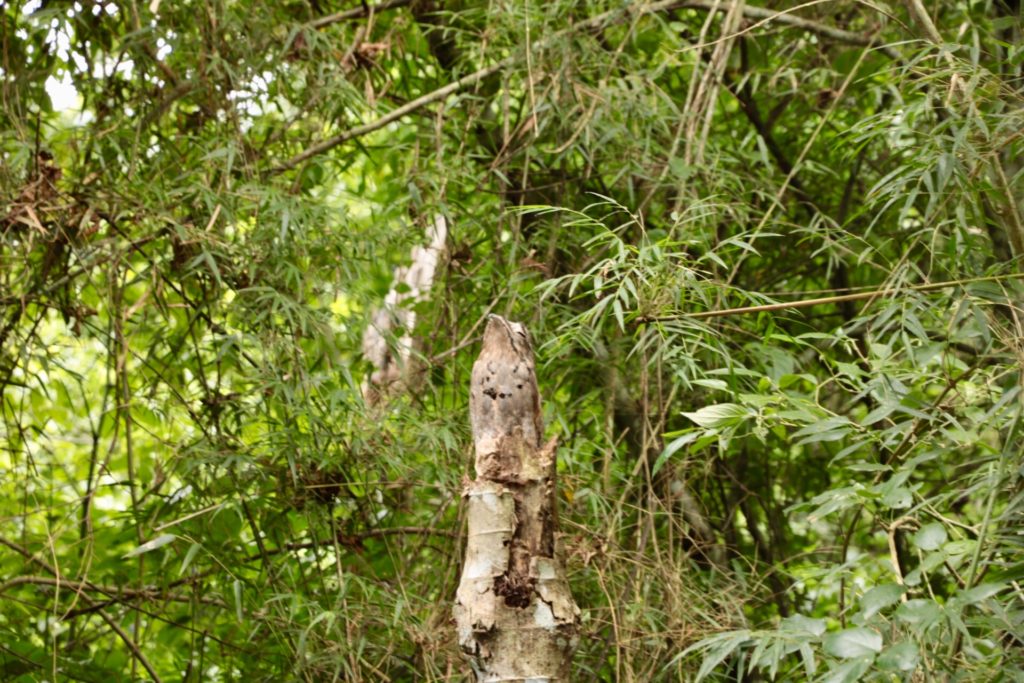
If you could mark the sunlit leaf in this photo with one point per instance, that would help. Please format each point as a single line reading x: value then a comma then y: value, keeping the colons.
x: 719, y: 415
x: 146, y: 547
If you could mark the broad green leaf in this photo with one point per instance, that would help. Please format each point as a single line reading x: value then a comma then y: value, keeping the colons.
x: 849, y: 672
x: 930, y: 536
x: 930, y: 562
x: 798, y: 623
x: 897, y: 498
x: 964, y: 547
x: 900, y: 657
x: 880, y: 597
x: 853, y: 642
x: 920, y: 612
x: 719, y: 415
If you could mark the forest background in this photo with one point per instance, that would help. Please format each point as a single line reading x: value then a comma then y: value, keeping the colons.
x: 202, y: 202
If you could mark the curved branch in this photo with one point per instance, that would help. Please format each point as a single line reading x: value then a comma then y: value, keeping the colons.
x: 357, y: 13
x: 786, y: 17
x: 595, y: 23
x: 132, y: 646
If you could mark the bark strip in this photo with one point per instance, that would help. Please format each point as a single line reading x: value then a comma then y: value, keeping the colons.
x: 394, y: 364
x: 515, y: 614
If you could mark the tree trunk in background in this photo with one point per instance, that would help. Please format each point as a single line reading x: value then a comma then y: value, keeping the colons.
x: 514, y: 612
x: 395, y: 368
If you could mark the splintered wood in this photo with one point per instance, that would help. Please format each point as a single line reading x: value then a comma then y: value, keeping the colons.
x: 515, y: 614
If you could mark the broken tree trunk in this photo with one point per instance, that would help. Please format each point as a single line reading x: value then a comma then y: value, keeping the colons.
x: 514, y: 612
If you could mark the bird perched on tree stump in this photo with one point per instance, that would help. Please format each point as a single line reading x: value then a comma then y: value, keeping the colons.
x: 514, y: 611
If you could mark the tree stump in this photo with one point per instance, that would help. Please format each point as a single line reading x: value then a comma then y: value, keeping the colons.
x: 515, y: 614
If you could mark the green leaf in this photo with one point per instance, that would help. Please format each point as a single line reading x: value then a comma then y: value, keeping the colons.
x: 619, y: 317
x: 719, y: 415
x: 900, y: 657
x: 672, y: 447
x: 189, y: 556
x: 833, y: 501
x: 830, y: 429
x: 964, y: 547
x: 920, y: 613
x: 930, y: 536
x: 798, y: 623
x: 157, y: 542
x: 879, y: 413
x: 897, y: 498
x: 807, y: 656
x: 880, y: 597
x: 849, y: 672
x: 981, y: 592
x: 237, y: 589
x: 716, y: 649
x: 930, y: 562
x: 853, y: 642
x: 716, y: 384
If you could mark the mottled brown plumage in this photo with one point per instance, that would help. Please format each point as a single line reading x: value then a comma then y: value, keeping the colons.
x: 514, y: 611
x: 504, y: 402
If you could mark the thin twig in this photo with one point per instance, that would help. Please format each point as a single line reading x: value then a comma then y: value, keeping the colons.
x: 786, y: 17
x: 394, y: 115
x: 131, y: 644
x: 115, y: 592
x: 858, y: 296
x: 598, y: 22
x: 357, y: 13
x: 114, y: 626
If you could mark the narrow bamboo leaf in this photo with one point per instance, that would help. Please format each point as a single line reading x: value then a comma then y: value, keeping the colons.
x: 982, y: 592
x: 849, y: 672
x: 672, y: 447
x: 157, y: 542
x: 189, y: 556
x: 237, y: 588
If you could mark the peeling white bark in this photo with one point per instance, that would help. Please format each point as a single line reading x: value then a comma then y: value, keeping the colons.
x: 393, y: 363
x: 515, y: 614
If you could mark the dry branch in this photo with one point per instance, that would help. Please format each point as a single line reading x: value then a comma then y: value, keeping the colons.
x: 603, y: 20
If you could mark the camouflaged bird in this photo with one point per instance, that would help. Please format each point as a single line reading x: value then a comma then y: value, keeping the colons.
x: 504, y: 401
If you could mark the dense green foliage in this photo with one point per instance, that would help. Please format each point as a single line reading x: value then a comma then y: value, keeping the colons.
x: 193, y: 488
